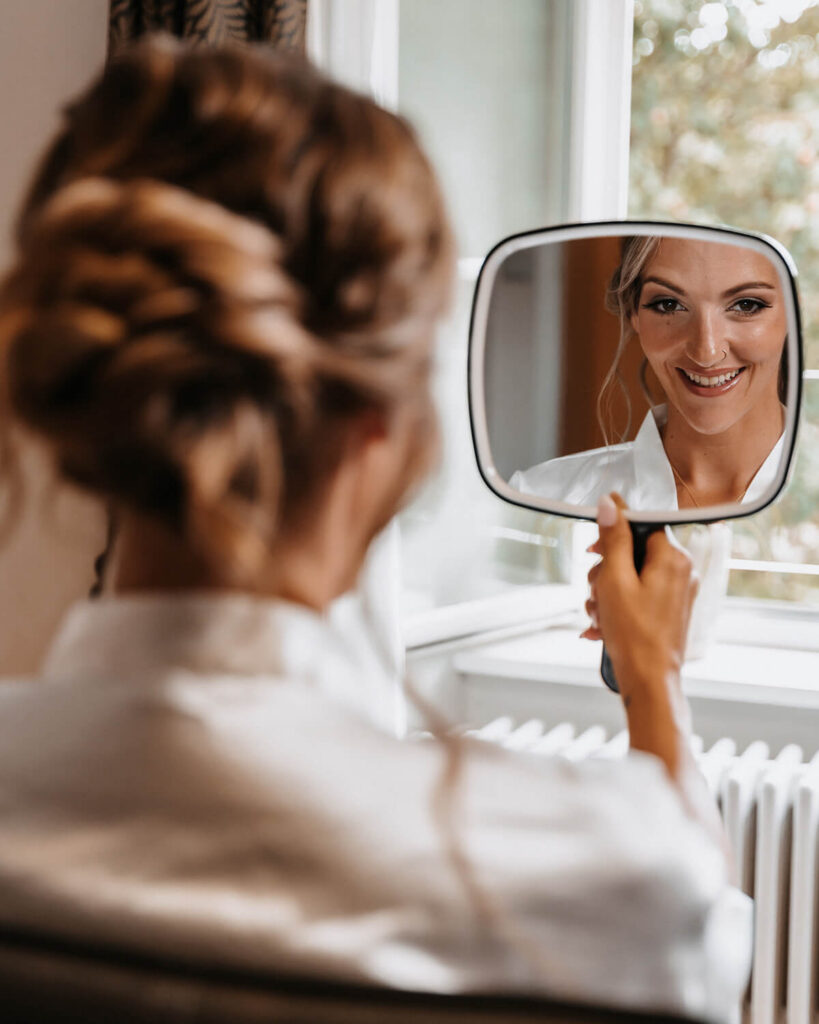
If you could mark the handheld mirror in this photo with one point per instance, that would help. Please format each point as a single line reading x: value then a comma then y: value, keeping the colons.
x: 661, y: 361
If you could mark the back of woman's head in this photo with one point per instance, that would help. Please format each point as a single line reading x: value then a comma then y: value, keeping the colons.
x: 223, y: 260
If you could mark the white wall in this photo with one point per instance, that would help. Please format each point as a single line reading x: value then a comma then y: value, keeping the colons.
x: 477, y: 78
x: 48, y: 50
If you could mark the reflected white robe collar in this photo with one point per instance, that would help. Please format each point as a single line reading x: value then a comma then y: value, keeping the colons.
x: 653, y: 475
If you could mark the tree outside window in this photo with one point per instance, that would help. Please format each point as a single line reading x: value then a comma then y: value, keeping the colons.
x: 725, y: 129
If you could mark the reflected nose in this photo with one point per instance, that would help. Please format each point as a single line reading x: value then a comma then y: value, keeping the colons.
x: 705, y: 346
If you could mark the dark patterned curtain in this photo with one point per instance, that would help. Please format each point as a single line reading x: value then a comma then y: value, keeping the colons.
x: 278, y: 22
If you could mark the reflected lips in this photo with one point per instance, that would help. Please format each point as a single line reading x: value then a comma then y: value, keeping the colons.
x: 711, y: 390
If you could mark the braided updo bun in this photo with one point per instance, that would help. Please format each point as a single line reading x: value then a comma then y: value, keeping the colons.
x: 223, y: 258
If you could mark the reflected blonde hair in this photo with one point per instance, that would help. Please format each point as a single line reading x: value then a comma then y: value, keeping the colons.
x: 622, y: 299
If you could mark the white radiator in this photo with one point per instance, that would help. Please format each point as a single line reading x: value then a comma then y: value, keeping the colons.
x: 770, y: 806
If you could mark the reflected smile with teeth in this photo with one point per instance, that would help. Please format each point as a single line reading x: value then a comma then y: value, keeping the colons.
x: 712, y: 380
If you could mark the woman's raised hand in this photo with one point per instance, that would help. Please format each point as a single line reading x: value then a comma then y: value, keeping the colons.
x: 644, y: 622
x: 642, y: 618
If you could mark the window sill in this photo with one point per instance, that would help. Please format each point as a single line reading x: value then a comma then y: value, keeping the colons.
x: 517, y: 609
x: 729, y: 671
x: 479, y: 662
x: 532, y: 609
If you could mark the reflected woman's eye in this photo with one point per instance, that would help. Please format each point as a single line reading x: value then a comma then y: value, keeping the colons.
x: 749, y: 306
x: 664, y: 304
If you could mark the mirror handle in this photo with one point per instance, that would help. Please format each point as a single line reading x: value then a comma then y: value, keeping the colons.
x: 640, y: 533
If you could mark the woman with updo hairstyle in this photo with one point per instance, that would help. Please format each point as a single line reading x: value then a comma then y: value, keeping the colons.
x: 219, y: 320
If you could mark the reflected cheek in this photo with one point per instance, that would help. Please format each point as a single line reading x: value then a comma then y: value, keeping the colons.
x: 661, y: 346
x: 759, y: 348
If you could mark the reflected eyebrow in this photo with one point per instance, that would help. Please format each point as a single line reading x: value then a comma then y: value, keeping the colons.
x: 745, y: 286
x: 748, y: 285
x: 664, y: 284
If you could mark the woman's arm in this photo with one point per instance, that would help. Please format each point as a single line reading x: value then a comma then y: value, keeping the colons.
x: 644, y: 622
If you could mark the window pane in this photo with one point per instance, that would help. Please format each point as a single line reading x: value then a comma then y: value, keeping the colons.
x: 725, y: 130
x: 481, y: 82
x: 475, y: 80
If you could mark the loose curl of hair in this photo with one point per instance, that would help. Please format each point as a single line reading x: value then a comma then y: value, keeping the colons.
x: 622, y: 299
x: 222, y: 260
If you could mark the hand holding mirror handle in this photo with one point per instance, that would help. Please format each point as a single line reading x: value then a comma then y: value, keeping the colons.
x: 640, y: 533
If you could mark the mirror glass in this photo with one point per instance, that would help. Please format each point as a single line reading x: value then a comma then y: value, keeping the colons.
x: 659, y: 361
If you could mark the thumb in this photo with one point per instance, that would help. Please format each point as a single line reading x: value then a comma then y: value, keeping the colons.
x: 616, y: 542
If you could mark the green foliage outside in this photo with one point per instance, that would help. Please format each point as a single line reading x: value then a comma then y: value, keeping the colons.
x: 725, y: 129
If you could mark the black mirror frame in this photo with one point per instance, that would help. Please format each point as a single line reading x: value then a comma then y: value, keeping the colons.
x: 477, y: 419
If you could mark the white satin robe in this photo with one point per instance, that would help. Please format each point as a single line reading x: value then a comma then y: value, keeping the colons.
x: 638, y: 470
x: 203, y: 776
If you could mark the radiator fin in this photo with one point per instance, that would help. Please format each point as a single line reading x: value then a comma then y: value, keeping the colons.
x: 770, y: 807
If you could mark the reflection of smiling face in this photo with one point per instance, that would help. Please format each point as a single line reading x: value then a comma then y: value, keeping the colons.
x: 711, y: 323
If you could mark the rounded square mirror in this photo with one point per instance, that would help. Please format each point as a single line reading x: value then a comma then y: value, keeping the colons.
x: 661, y: 361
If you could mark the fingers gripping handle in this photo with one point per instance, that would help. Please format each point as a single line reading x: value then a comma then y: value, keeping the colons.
x: 640, y: 532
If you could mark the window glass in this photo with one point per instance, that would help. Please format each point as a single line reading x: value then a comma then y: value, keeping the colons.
x: 725, y: 129
x: 476, y: 79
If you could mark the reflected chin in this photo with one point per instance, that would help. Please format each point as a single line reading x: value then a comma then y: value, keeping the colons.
x: 710, y: 411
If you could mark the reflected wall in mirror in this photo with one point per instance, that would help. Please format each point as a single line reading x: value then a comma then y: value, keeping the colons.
x: 659, y: 361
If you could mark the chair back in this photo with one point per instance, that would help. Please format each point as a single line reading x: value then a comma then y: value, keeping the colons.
x: 46, y: 980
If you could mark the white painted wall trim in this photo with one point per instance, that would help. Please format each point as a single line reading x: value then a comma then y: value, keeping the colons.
x: 522, y: 607
x: 600, y: 109
x: 356, y: 42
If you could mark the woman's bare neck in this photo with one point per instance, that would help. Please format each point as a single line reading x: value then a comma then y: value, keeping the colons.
x: 713, y: 469
x: 148, y: 557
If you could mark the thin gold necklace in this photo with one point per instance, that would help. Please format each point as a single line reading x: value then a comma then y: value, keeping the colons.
x: 691, y: 494
x: 684, y: 484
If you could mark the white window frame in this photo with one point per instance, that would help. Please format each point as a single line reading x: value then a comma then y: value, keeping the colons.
x: 599, y: 125
x: 356, y: 42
